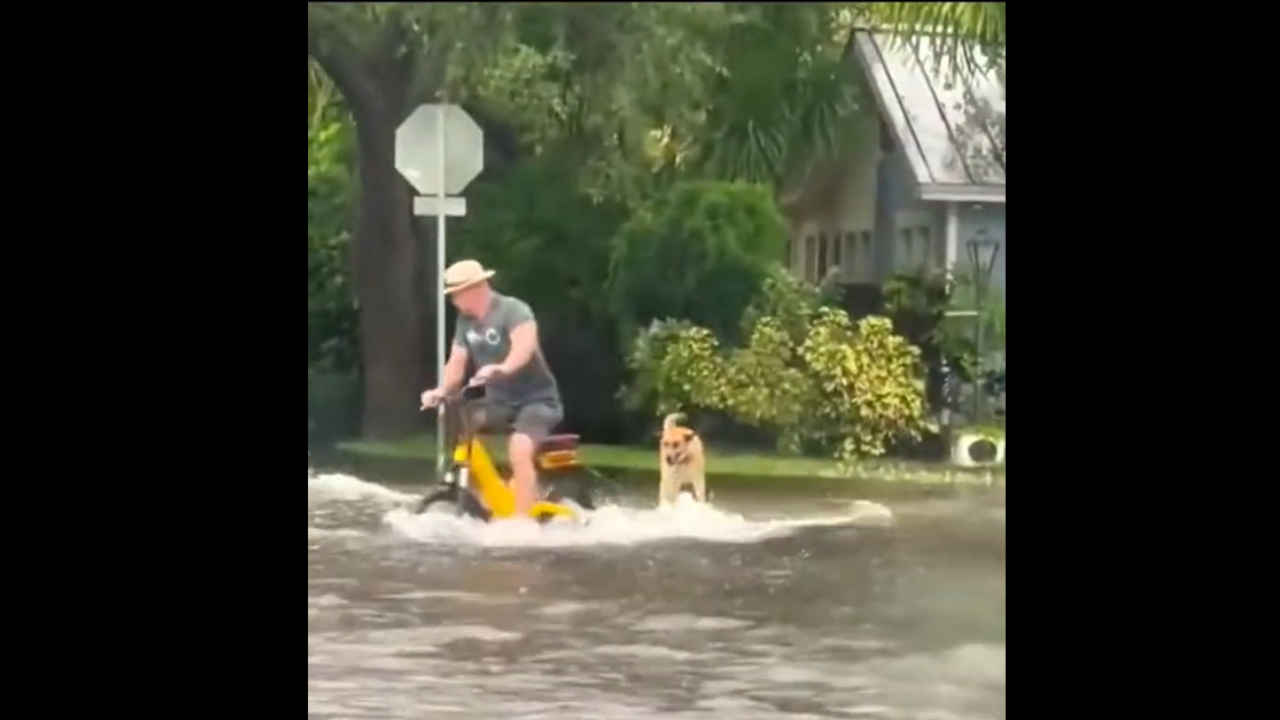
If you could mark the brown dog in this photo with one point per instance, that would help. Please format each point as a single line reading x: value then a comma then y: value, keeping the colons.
x: 681, y: 463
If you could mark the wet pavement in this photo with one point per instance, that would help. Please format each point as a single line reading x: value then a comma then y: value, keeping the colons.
x: 753, y: 609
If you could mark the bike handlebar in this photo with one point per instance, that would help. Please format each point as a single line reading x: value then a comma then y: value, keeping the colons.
x: 463, y: 394
x: 467, y: 392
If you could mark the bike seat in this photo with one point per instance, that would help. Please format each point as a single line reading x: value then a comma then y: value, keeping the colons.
x: 553, y: 443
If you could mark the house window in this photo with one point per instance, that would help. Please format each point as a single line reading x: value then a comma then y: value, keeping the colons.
x: 822, y: 254
x: 846, y: 254
x: 867, y: 258
x: 821, y: 270
x: 917, y: 251
x: 849, y: 266
x: 810, y: 266
x: 927, y: 260
x: 857, y: 263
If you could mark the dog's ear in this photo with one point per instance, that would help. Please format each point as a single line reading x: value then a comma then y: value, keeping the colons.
x: 688, y: 434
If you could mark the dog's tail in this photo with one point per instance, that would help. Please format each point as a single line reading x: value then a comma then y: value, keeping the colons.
x: 670, y: 422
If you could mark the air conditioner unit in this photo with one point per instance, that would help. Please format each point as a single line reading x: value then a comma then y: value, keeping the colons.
x: 976, y: 450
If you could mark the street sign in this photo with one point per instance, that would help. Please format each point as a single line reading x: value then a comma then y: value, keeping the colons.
x: 429, y: 205
x: 419, y: 160
x: 439, y: 150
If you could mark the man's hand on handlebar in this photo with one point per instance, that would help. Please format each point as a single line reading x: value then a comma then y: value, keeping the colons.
x: 472, y: 390
x: 432, y: 397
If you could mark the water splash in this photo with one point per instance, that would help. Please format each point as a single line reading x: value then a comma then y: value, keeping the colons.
x: 609, y: 525
x: 958, y: 682
x: 321, y: 533
x: 336, y: 487
x: 345, y: 508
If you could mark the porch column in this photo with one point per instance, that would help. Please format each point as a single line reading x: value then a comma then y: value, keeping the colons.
x: 953, y: 237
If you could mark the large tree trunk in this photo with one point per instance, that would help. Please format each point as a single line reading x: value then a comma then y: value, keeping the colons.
x: 391, y: 269
x: 387, y: 270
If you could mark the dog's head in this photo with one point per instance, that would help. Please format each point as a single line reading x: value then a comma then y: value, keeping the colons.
x: 675, y: 445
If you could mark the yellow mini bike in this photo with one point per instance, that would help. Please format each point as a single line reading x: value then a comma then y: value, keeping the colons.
x: 473, y: 486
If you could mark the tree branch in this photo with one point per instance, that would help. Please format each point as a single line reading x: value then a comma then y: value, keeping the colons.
x: 346, y: 72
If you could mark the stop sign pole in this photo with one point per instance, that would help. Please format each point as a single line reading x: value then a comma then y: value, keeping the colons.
x: 441, y: 242
x: 438, y: 168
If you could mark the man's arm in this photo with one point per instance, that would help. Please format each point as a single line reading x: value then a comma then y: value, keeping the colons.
x: 523, y: 330
x: 455, y: 370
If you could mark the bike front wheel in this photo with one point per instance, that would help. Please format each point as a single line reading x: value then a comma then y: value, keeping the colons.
x: 454, y: 501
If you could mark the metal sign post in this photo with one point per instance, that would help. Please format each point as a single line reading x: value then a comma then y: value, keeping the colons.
x: 439, y: 150
x: 441, y: 242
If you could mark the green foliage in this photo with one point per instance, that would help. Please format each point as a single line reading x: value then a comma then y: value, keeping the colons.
x: 805, y: 371
x: 699, y: 251
x: 411, y: 50
x: 964, y: 297
x: 332, y: 357
x: 330, y: 311
x: 547, y: 239
x: 920, y: 303
x: 726, y: 90
x: 951, y: 30
x: 790, y: 301
x: 610, y: 105
x: 663, y: 345
x: 786, y: 96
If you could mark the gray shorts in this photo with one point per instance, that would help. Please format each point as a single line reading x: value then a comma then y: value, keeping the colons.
x: 537, y: 419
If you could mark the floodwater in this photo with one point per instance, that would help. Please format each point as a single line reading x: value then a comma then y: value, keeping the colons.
x: 755, y: 608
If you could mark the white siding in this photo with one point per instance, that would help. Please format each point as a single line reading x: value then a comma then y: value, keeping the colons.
x: 840, y: 234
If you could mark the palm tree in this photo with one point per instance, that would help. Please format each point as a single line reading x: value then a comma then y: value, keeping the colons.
x: 794, y: 130
x: 951, y: 29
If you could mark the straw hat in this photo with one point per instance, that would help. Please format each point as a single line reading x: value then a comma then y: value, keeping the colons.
x: 463, y: 274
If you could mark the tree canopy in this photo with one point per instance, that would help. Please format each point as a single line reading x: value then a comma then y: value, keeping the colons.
x: 615, y: 100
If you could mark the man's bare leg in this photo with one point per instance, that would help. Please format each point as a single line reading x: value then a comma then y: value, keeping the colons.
x: 524, y: 476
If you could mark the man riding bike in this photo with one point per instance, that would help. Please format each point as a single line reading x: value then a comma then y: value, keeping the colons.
x: 500, y: 334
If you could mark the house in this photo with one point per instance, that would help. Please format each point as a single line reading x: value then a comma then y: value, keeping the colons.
x: 933, y: 182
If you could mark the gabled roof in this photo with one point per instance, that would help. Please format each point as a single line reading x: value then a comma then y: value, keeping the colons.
x: 949, y: 126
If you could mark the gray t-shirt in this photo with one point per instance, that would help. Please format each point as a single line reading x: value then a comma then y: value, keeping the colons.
x: 488, y: 340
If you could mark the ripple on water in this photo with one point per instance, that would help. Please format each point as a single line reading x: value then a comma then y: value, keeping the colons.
x: 410, y: 639
x: 643, y: 652
x: 397, y: 649
x: 337, y: 487
x: 325, y: 600
x: 456, y: 596
x: 566, y: 608
x: 590, y: 682
x: 952, y: 684
x: 675, y: 623
x: 399, y: 637
x: 320, y: 533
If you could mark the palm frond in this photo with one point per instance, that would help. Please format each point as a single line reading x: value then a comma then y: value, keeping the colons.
x: 951, y: 31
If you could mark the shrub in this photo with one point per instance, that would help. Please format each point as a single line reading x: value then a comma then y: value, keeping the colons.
x: 919, y: 303
x: 548, y: 240
x: 331, y: 312
x: 805, y: 371
x: 699, y: 251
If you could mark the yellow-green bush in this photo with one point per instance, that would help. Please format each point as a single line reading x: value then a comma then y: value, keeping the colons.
x: 805, y: 371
